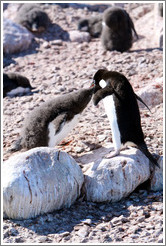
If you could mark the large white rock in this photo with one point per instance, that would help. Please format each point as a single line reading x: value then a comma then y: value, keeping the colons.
x: 16, y: 38
x: 115, y: 178
x: 39, y: 181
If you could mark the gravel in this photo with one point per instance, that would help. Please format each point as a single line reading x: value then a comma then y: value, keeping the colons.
x: 54, y: 65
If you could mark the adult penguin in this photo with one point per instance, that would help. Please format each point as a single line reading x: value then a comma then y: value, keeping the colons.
x: 121, y: 106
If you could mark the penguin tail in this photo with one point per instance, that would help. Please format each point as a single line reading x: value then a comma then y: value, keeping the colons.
x: 16, y: 146
x: 143, y: 148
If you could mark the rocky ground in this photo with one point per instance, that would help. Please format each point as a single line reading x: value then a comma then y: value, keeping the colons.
x: 54, y: 65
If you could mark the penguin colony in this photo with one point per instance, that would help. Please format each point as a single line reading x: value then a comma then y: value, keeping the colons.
x: 52, y: 121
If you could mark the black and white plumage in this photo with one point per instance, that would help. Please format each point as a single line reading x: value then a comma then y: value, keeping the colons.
x: 117, y: 30
x: 32, y: 17
x: 92, y: 25
x: 121, y: 106
x: 50, y: 123
x: 15, y: 84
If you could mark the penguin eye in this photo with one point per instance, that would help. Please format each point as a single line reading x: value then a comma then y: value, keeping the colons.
x: 102, y: 83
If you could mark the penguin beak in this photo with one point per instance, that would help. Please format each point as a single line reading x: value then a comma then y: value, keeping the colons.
x: 93, y: 84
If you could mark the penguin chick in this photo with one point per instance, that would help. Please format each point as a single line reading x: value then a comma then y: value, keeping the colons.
x: 92, y: 25
x: 32, y: 17
x: 14, y: 83
x: 117, y: 30
x: 122, y: 110
x: 50, y: 123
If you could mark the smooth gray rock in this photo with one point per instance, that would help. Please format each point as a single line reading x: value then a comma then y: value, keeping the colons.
x: 152, y: 94
x: 39, y: 181
x: 15, y: 37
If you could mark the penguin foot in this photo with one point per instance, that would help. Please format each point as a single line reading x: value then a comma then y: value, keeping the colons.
x: 112, y: 154
x: 65, y: 143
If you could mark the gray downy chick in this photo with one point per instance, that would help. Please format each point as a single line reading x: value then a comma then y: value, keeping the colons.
x: 117, y: 30
x: 92, y: 25
x: 51, y: 122
x: 32, y: 17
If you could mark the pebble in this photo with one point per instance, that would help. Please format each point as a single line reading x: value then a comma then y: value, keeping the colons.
x: 87, y: 221
x: 83, y: 232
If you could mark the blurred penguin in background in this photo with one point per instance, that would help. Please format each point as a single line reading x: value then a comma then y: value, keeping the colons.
x: 33, y: 18
x: 117, y: 30
x: 92, y: 25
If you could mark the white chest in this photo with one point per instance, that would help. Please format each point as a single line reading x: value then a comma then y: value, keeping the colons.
x: 103, y: 24
x: 55, y: 139
x: 111, y: 113
x: 18, y: 90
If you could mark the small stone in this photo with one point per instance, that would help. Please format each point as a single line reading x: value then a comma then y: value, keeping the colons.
x: 19, y: 240
x: 65, y: 233
x: 57, y: 42
x: 13, y: 232
x: 134, y: 236
x: 115, y: 220
x: 124, y: 219
x: 76, y: 36
x: 42, y: 239
x: 79, y: 149
x: 101, y: 137
x: 46, y: 45
x: 141, y: 219
x: 121, y: 229
x: 83, y: 232
x: 87, y: 221
x: 160, y: 240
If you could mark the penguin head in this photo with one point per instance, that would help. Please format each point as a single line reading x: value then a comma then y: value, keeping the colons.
x: 97, y: 78
x: 83, y: 25
x: 114, y: 18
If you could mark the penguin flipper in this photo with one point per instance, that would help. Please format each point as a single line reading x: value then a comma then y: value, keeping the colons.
x: 143, y: 148
x: 139, y: 99
x: 132, y: 26
x: 59, y: 121
x: 102, y: 93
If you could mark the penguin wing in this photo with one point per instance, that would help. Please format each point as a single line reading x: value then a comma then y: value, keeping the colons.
x: 131, y: 24
x: 59, y: 121
x: 102, y: 93
x: 139, y: 99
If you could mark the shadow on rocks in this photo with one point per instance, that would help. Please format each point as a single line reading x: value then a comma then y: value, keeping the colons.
x: 92, y: 7
x: 147, y: 50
